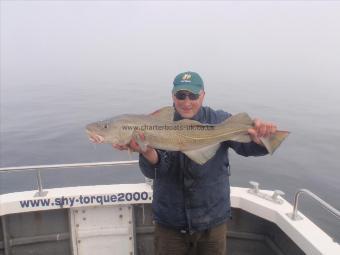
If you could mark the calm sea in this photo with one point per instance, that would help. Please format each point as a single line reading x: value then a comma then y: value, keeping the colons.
x: 44, y: 124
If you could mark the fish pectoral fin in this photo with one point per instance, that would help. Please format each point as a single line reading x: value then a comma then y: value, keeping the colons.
x: 129, y: 153
x: 142, y: 144
x: 202, y: 155
x: 165, y: 113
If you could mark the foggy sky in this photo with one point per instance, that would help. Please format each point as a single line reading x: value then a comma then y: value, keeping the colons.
x: 290, y: 42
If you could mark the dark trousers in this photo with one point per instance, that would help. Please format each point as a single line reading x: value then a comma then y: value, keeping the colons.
x: 208, y: 242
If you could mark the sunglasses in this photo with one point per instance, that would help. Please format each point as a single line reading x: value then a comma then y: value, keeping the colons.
x: 181, y: 95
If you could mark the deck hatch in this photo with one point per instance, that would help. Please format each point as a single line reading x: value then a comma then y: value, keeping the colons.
x: 102, y: 229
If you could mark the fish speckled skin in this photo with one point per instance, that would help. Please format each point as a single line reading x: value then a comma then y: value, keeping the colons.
x: 188, y: 136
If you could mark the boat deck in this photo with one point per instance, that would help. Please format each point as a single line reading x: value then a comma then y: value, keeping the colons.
x: 48, y: 232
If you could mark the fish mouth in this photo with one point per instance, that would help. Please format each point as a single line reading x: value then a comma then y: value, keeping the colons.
x: 95, y: 138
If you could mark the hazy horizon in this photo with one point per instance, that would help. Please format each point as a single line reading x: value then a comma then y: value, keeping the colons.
x: 226, y: 41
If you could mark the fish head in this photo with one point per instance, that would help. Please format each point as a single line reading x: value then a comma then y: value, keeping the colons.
x: 108, y: 131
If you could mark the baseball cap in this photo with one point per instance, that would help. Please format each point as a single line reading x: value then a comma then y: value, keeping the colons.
x: 189, y: 81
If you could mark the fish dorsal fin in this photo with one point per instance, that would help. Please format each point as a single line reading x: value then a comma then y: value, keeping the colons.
x: 240, y: 118
x: 202, y: 155
x: 188, y: 122
x: 165, y: 113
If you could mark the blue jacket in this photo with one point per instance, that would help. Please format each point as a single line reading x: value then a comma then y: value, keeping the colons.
x: 192, y: 197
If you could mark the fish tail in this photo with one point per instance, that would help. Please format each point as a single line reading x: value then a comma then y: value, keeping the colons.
x: 273, y: 142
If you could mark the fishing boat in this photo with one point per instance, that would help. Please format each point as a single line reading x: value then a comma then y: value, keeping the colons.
x: 117, y: 219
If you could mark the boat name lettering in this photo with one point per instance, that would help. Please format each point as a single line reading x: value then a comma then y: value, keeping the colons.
x: 84, y: 200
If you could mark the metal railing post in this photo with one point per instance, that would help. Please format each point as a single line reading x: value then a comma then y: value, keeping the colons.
x: 294, y: 215
x: 41, y: 192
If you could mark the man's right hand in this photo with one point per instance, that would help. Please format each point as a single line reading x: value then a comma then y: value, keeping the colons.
x: 150, y: 153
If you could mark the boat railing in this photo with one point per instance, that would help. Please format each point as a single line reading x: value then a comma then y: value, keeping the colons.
x: 294, y: 215
x: 39, y: 168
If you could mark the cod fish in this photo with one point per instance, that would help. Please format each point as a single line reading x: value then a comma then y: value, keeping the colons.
x: 196, y: 140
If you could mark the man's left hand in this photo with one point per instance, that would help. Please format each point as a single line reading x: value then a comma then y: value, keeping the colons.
x: 261, y: 129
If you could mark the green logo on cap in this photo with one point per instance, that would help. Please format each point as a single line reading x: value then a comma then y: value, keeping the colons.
x: 186, y: 78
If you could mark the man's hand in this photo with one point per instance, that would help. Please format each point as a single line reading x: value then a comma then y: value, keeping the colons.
x: 150, y: 153
x: 261, y: 129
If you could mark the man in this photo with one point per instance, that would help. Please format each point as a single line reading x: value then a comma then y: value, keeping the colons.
x: 191, y: 202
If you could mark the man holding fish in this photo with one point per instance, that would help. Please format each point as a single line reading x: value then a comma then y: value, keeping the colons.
x: 191, y: 200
